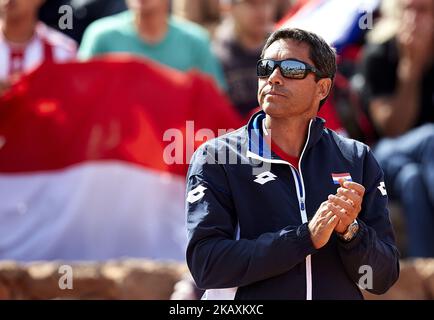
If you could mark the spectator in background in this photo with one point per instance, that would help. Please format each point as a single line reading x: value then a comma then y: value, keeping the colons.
x: 238, y: 44
x: 399, y: 83
x: 26, y: 42
x: 283, y: 7
x: 204, y: 12
x: 148, y: 29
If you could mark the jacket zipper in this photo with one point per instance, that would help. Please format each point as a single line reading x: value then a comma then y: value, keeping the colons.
x: 299, y: 185
x: 301, y: 199
x: 301, y: 195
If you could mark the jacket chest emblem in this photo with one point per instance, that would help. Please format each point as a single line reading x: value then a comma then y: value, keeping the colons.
x: 265, y: 177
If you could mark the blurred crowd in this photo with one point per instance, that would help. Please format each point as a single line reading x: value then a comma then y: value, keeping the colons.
x: 383, y: 93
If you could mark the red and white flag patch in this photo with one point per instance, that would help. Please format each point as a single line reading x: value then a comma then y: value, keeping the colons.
x: 339, y: 178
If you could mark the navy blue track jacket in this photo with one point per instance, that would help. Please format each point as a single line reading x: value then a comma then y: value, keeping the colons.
x: 247, y: 214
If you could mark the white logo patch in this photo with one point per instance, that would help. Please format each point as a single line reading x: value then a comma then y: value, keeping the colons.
x: 264, y: 177
x: 382, y: 188
x: 196, y: 194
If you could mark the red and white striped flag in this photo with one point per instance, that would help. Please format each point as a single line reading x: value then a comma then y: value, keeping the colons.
x: 83, y: 158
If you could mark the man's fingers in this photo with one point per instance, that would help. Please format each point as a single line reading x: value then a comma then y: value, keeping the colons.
x: 341, y: 202
x: 329, y: 213
x: 323, y: 210
x: 354, y: 186
x: 341, y: 196
x: 344, y: 217
x: 351, y: 195
x: 335, y: 210
x: 324, y: 204
x: 346, y: 207
x: 330, y: 219
x: 333, y: 221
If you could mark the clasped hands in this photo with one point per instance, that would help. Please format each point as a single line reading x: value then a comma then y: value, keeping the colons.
x: 336, y: 213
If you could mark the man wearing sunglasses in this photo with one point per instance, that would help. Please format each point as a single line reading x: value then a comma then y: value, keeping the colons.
x: 285, y: 208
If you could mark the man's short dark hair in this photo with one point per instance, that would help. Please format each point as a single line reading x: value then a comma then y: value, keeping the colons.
x: 322, y: 55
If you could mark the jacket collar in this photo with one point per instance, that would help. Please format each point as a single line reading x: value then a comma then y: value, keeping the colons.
x: 259, y: 149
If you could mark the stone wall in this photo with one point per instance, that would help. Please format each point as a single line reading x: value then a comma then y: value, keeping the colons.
x: 128, y: 279
x: 144, y: 279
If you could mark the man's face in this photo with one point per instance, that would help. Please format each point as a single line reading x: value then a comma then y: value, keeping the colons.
x: 419, y: 8
x: 254, y: 16
x: 145, y: 6
x: 417, y: 23
x: 281, y: 97
x: 19, y: 8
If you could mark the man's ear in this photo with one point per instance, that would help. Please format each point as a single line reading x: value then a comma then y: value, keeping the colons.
x: 323, y: 87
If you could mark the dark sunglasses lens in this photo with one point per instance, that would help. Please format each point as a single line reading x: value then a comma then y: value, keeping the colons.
x: 293, y: 69
x: 265, y: 68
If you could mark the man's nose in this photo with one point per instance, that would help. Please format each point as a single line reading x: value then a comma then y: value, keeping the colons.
x: 276, y: 76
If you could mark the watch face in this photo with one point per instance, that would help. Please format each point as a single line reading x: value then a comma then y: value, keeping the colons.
x: 352, y: 230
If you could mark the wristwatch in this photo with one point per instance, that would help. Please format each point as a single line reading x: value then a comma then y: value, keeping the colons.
x: 351, y: 232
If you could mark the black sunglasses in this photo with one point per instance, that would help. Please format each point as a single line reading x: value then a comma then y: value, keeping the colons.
x: 290, y: 68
